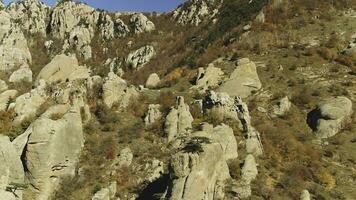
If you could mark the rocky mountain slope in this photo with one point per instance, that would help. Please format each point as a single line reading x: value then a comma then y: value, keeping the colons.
x: 218, y: 99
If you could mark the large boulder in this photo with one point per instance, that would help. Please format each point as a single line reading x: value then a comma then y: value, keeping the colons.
x: 330, y: 115
x: 12, y: 174
x: 196, y: 11
x: 243, y: 80
x: 141, y: 23
x: 140, y: 57
x: 121, y: 29
x: 208, y: 78
x: 14, y: 50
x: 179, y: 120
x: 106, y: 27
x: 80, y: 38
x: 282, y: 107
x: 52, y: 151
x: 31, y: 14
x: 221, y: 103
x: 116, y: 91
x: 305, y: 195
x: 63, y: 68
x: 153, y: 81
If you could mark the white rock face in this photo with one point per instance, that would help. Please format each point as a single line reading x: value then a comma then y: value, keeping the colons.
x: 179, y: 120
x: 80, y: 38
x: 5, y: 98
x: 63, y: 68
x: 141, y: 23
x: 31, y: 14
x: 140, y: 57
x: 67, y: 15
x: 153, y: 114
x: 195, y: 12
x: 106, y: 27
x: 11, y: 170
x: 201, y: 173
x: 116, y: 90
x: 208, y: 78
x: 52, y: 151
x: 243, y: 80
x: 27, y: 104
x: 14, y: 51
x: 282, y: 107
x: 24, y: 74
x: 153, y: 81
x: 121, y: 29
x: 330, y: 116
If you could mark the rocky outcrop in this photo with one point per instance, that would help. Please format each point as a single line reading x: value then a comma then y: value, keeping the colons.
x: 24, y: 74
x: 153, y: 114
x: 208, y: 78
x: 121, y: 29
x: 222, y: 104
x: 32, y: 15
x: 68, y: 14
x: 80, y: 38
x: 243, y: 80
x: 12, y: 174
x: 199, y: 170
x: 5, y: 98
x: 14, y: 51
x: 153, y: 81
x: 63, y: 68
x: 140, y: 23
x: 52, y: 151
x: 179, y: 120
x: 196, y: 11
x: 106, y: 27
x: 282, y: 107
x: 330, y: 115
x: 116, y: 91
x: 140, y: 57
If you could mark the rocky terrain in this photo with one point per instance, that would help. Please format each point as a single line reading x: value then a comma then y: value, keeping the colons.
x: 215, y: 100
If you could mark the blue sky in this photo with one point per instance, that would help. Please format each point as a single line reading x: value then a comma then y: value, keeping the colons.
x: 128, y: 5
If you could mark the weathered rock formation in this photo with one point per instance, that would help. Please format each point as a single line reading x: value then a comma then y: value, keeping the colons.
x: 243, y: 80
x: 208, y: 78
x: 24, y: 74
x: 14, y: 51
x: 282, y: 107
x: 153, y: 81
x: 140, y: 57
x: 52, y: 151
x: 179, y: 120
x: 330, y: 116
x: 153, y: 114
x: 116, y: 91
x: 141, y: 23
x: 63, y: 68
x: 196, y: 11
x: 199, y: 170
